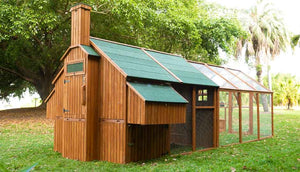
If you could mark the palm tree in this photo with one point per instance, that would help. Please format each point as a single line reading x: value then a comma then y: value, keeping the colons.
x: 267, y: 37
x: 295, y: 40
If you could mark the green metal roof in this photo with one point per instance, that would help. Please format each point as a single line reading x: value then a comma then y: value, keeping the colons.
x: 89, y: 50
x: 133, y: 61
x: 182, y: 69
x: 158, y: 93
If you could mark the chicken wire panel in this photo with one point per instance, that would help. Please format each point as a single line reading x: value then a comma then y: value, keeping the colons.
x: 204, y: 128
x: 265, y: 115
x: 249, y: 117
x: 229, y: 117
x: 213, y: 76
x: 232, y: 78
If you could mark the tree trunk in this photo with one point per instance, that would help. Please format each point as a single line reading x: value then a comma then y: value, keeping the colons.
x: 43, y: 88
x: 264, y: 98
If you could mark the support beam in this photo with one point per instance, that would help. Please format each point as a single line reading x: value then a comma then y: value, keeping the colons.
x: 218, y: 117
x: 194, y: 119
x: 230, y: 112
x: 240, y: 116
x: 272, y: 113
x: 258, y: 122
x: 251, y: 113
x: 215, y: 120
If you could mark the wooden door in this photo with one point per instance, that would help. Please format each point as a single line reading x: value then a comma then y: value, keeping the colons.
x: 75, y: 96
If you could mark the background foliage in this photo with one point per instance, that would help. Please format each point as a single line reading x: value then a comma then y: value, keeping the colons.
x: 34, y: 34
x: 286, y: 90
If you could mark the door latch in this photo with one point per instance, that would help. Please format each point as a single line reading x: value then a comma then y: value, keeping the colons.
x: 66, y: 81
x: 65, y: 110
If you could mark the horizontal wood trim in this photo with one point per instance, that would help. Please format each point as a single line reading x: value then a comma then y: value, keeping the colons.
x: 81, y: 6
x: 49, y: 96
x: 243, y: 91
x: 67, y: 51
x: 74, y: 119
x: 205, y: 107
x: 58, y: 75
x: 135, y: 91
x: 112, y: 120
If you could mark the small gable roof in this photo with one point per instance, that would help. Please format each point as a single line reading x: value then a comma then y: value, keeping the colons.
x: 157, y: 93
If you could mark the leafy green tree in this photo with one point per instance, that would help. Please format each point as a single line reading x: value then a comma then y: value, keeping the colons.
x: 286, y: 90
x: 34, y: 34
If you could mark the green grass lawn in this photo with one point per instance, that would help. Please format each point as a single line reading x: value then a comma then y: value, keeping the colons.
x: 27, y: 142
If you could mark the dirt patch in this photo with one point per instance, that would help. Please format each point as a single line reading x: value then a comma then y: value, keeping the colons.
x: 23, y: 115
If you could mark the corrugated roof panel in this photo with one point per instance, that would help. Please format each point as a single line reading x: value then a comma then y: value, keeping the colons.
x: 233, y: 79
x: 182, y: 69
x: 133, y: 61
x: 249, y: 80
x: 89, y: 50
x: 158, y: 93
x: 213, y: 76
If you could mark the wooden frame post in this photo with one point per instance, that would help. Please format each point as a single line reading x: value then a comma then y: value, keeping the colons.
x: 217, y: 117
x: 230, y: 112
x: 258, y: 122
x: 272, y: 113
x: 240, y: 116
x: 251, y: 113
x: 194, y: 119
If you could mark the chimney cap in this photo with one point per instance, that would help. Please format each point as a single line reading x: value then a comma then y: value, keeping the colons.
x: 80, y: 5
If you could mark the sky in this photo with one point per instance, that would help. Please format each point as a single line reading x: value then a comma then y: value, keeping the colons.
x: 285, y: 63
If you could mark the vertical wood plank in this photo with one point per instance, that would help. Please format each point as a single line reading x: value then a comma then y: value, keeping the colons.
x: 194, y: 119
x: 240, y: 116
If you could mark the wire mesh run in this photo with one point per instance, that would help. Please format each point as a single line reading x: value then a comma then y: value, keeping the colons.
x: 265, y: 115
x: 249, y: 117
x: 228, y: 118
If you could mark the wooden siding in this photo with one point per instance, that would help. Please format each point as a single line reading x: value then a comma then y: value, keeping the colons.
x: 74, y: 140
x: 51, y: 104
x: 136, y: 107
x: 145, y: 113
x: 55, y: 102
x: 74, y: 54
x: 147, y: 142
x: 80, y: 24
x: 164, y: 113
x: 58, y: 134
x: 92, y: 107
x: 112, y: 141
x: 73, y: 97
x: 112, y: 92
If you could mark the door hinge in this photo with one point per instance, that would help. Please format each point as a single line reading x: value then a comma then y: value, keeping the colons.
x: 65, y: 110
x: 66, y: 81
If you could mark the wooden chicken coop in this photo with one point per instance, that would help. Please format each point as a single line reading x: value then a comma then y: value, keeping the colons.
x: 121, y: 103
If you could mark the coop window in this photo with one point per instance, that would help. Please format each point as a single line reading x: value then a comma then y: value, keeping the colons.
x: 75, y: 67
x: 202, y: 95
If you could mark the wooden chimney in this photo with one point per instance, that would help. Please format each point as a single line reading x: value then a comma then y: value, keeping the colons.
x: 80, y: 24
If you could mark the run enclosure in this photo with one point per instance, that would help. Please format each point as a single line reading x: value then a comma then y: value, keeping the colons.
x: 245, y: 110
